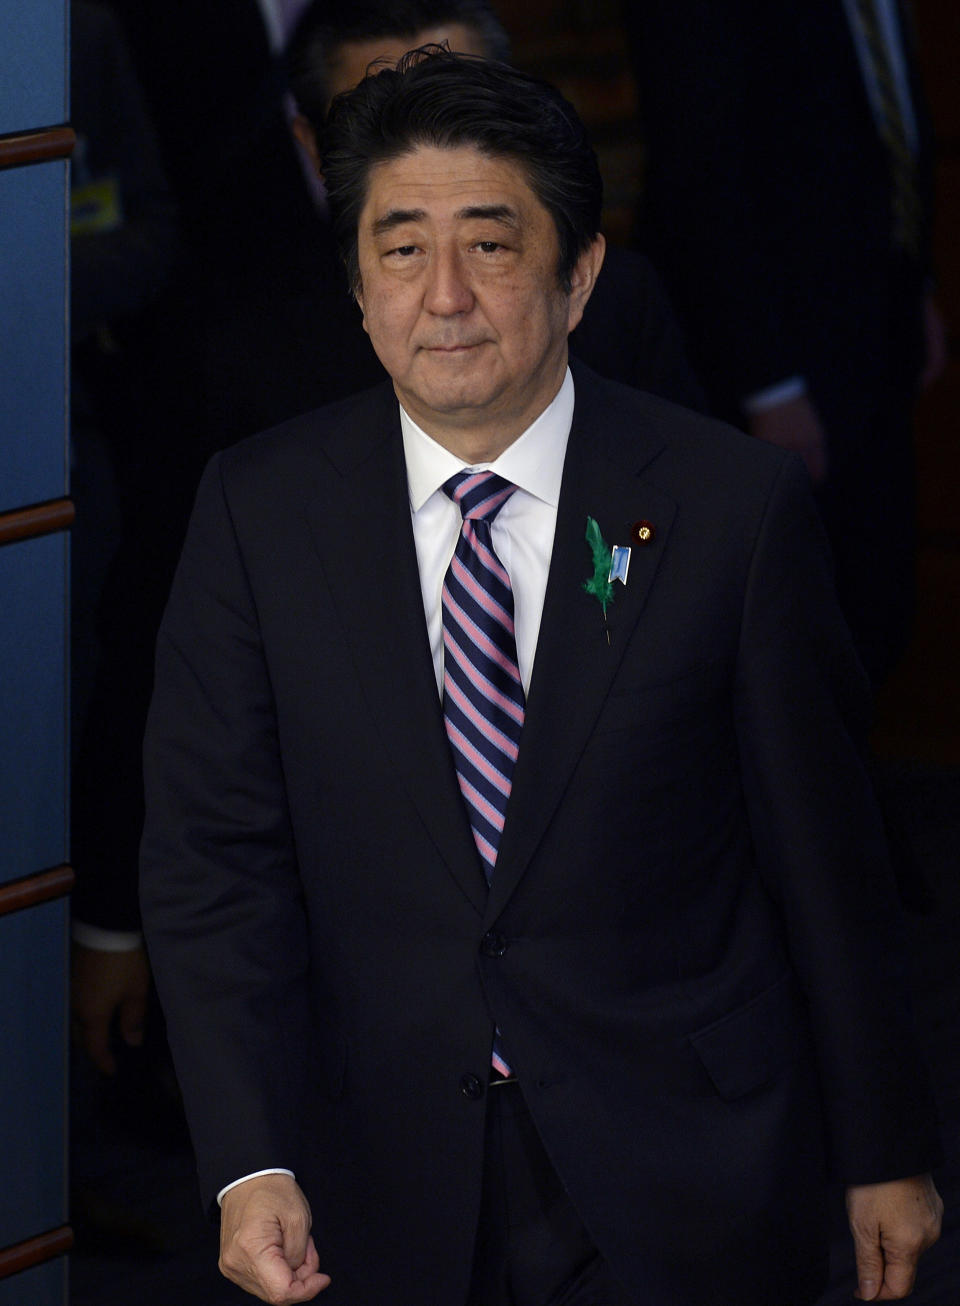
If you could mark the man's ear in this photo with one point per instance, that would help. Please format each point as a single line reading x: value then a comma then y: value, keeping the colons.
x: 302, y: 129
x: 583, y: 278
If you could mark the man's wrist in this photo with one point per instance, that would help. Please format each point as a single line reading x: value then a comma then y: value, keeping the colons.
x: 781, y: 392
x: 257, y: 1174
x: 100, y: 940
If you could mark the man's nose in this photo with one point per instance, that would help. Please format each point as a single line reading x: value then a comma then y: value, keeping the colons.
x: 448, y: 289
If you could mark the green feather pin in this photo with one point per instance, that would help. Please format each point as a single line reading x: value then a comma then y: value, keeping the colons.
x: 599, y: 584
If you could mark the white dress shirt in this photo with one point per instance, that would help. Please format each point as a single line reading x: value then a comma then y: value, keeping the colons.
x: 522, y: 533
x: 888, y: 22
x: 522, y: 530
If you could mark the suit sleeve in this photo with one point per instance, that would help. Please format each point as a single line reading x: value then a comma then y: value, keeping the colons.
x: 803, y: 710
x: 714, y: 125
x: 221, y: 898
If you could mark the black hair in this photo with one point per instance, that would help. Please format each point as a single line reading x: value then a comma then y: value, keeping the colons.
x: 325, y: 27
x: 437, y: 98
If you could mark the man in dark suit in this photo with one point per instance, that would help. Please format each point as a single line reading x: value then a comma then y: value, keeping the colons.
x: 787, y: 206
x: 518, y: 902
x: 278, y: 334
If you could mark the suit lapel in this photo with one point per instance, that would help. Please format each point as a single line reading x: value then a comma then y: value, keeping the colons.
x: 371, y: 568
x: 575, y: 665
x: 369, y: 560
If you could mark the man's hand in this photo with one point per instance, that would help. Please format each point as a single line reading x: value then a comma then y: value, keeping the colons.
x: 265, y: 1242
x: 795, y: 424
x: 892, y: 1224
x: 104, y: 984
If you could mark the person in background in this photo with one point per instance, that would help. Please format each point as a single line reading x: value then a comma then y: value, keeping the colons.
x: 787, y: 204
x: 124, y: 246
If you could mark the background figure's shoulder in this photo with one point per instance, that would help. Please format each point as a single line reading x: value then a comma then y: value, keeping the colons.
x: 338, y: 436
x: 630, y: 333
x: 692, y: 450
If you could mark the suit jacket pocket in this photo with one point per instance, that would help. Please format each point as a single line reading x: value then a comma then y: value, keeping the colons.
x: 667, y: 709
x: 751, y: 1045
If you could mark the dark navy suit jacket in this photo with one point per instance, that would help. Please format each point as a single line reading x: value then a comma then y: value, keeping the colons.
x: 690, y: 944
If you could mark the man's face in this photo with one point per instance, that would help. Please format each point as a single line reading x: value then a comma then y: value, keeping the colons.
x: 460, y: 294
x: 353, y: 58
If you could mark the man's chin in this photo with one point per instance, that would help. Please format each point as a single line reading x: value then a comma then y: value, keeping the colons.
x: 453, y: 395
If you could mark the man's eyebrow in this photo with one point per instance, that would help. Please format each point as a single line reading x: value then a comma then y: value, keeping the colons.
x: 502, y: 213
x: 397, y: 218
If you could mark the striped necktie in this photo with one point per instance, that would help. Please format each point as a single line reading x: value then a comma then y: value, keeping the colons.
x: 903, y: 170
x: 483, y: 704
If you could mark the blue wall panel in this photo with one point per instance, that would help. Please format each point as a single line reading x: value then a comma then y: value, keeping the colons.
x: 32, y: 959
x: 32, y: 357
x: 33, y: 777
x: 33, y: 55
x: 44, y: 1286
x: 33, y: 635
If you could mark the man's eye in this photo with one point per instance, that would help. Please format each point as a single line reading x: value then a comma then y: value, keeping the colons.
x: 405, y: 250
x: 488, y: 246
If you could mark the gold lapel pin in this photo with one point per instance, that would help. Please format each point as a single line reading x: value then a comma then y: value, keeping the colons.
x: 643, y: 532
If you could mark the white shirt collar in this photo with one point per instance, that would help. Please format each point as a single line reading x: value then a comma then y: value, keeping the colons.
x: 533, y: 462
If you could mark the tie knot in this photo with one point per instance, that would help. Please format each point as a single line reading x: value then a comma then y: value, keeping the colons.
x: 478, y: 495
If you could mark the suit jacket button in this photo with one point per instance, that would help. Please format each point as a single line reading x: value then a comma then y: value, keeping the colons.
x: 493, y: 944
x: 471, y: 1087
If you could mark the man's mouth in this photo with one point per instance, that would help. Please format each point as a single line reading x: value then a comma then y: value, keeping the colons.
x: 458, y: 347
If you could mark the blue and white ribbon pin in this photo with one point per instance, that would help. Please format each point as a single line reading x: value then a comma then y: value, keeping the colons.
x: 619, y: 564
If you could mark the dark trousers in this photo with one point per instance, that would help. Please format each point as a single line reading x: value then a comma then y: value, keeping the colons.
x: 532, y: 1249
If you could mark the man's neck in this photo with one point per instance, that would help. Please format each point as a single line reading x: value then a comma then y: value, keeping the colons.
x: 480, y: 438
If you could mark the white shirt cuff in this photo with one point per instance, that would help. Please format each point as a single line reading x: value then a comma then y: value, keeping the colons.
x: 256, y: 1175
x: 92, y: 936
x: 772, y: 395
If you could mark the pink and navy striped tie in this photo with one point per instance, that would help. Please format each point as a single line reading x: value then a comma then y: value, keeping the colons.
x: 483, y: 702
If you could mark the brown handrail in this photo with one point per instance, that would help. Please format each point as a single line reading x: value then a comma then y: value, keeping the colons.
x: 37, y: 146
x: 38, y: 519
x: 34, y: 889
x: 45, y: 1247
